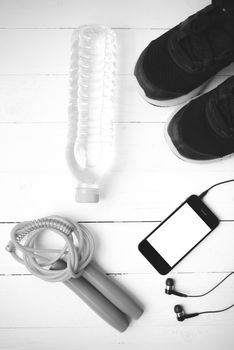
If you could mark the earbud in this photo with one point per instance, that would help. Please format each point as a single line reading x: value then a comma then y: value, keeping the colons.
x: 178, y: 309
x: 170, y: 286
x: 181, y: 315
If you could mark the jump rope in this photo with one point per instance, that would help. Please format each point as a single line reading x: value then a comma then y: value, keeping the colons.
x: 72, y: 265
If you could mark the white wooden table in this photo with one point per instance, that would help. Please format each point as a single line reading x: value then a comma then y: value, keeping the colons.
x: 145, y: 184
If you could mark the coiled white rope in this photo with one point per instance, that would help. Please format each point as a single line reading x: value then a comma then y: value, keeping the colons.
x: 77, y: 251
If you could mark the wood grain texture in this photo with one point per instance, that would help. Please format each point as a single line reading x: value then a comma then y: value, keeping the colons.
x: 117, y: 253
x: 35, y: 180
x: 44, y: 99
x: 148, y: 337
x: 52, y: 305
x: 145, y: 183
x: 72, y: 13
x: 47, y: 51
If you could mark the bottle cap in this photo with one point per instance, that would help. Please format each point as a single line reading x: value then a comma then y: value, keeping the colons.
x: 87, y: 195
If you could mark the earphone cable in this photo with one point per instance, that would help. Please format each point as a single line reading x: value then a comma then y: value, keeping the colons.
x: 211, y: 290
x: 216, y: 311
x: 204, y: 193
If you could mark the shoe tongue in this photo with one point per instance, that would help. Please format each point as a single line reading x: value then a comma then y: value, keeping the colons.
x: 204, y: 38
x: 220, y: 42
x: 200, y: 21
x: 200, y: 48
x: 220, y: 110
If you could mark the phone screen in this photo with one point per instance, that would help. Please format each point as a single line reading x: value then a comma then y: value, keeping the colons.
x: 179, y: 234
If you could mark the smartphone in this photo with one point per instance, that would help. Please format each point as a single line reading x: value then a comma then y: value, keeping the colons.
x: 178, y: 234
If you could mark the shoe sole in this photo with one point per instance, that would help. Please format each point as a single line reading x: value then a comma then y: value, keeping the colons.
x: 174, y: 101
x: 176, y: 152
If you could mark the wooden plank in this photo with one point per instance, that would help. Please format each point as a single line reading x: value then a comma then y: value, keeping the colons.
x: 29, y: 99
x: 146, y: 181
x: 180, y: 336
x: 47, y: 51
x: 34, y: 51
x: 28, y: 302
x: 72, y: 13
x: 116, y: 249
x: 44, y: 99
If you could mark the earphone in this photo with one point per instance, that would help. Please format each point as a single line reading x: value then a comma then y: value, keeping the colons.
x: 179, y: 310
x: 170, y: 288
x: 181, y: 315
x: 170, y: 284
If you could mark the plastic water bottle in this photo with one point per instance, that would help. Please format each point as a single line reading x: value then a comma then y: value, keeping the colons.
x: 90, y: 137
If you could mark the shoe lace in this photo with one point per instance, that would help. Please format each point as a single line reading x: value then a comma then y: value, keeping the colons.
x: 195, y: 38
x: 221, y: 110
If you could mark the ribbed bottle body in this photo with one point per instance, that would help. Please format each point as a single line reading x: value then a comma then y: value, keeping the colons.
x: 92, y: 76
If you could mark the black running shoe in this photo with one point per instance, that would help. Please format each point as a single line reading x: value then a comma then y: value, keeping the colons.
x: 203, y: 129
x: 175, y: 67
